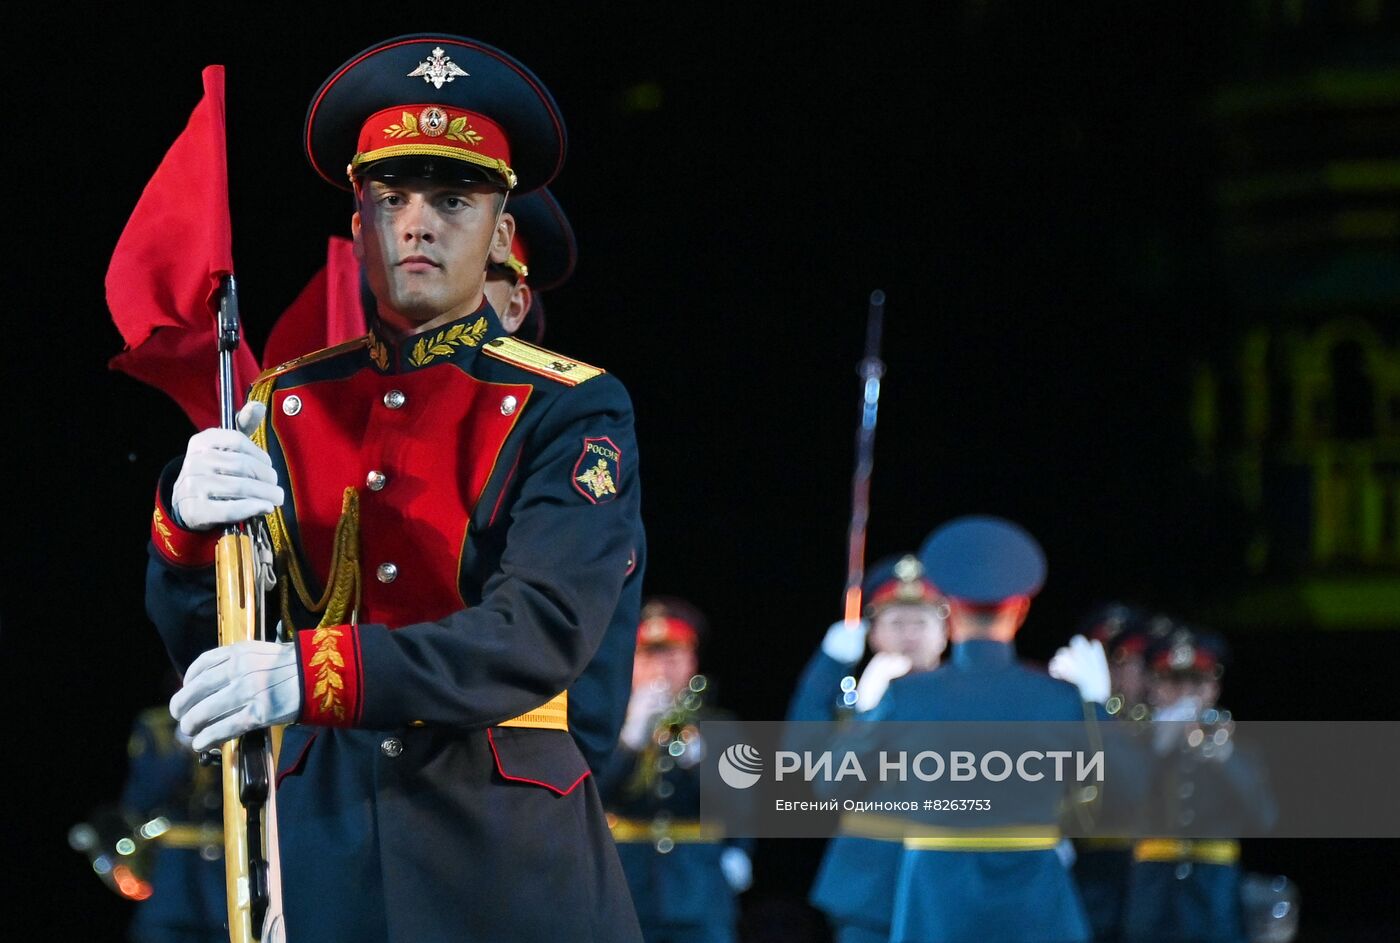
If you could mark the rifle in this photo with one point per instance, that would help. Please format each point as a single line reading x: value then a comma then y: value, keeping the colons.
x: 243, y: 572
x: 871, y: 369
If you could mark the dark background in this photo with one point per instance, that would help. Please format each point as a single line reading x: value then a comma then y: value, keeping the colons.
x: 1031, y: 187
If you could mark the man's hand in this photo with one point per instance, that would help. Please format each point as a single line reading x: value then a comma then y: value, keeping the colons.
x: 225, y: 477
x: 1083, y: 664
x: 236, y: 688
x: 883, y: 668
x: 737, y: 868
x: 845, y: 643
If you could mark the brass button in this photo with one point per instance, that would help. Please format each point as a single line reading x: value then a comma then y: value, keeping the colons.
x: 391, y: 747
x: 376, y: 480
x: 291, y: 405
x: 394, y: 399
x: 387, y: 572
x: 508, y: 405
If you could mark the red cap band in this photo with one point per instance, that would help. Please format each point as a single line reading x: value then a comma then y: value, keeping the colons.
x: 665, y: 630
x: 434, y: 131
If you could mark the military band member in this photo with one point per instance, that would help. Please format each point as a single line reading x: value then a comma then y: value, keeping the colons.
x: 177, y: 802
x: 1102, y: 863
x: 903, y: 619
x: 855, y: 885
x: 684, y: 875
x: 1183, y: 889
x: 454, y: 512
x: 964, y: 884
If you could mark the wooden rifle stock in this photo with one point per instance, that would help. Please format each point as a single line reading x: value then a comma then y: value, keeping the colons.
x: 236, y: 575
x: 252, y: 876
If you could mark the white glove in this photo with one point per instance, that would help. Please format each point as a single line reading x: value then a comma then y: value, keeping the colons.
x: 646, y: 705
x: 1083, y: 664
x: 737, y: 868
x: 225, y: 478
x: 883, y: 668
x: 846, y: 645
x: 236, y: 688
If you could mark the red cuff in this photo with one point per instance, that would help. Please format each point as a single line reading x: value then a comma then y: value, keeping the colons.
x: 181, y: 547
x: 331, y: 672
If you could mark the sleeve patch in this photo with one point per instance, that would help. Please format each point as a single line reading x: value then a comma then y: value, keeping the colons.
x: 598, y: 470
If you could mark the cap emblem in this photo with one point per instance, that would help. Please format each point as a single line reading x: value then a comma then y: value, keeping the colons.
x: 1183, y: 656
x: 432, y: 121
x: 907, y: 570
x: 655, y: 629
x: 438, y: 70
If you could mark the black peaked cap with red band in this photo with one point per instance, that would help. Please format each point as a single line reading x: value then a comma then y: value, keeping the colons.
x: 545, y: 248
x: 434, y: 98
x: 542, y: 231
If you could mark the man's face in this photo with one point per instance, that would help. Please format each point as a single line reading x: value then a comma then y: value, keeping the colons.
x: 668, y: 665
x: 508, y: 297
x: 1165, y: 690
x: 424, y: 246
x: 1127, y: 677
x: 912, y: 630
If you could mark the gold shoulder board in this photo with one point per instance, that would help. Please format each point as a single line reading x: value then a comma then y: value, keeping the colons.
x: 313, y: 357
x: 537, y: 360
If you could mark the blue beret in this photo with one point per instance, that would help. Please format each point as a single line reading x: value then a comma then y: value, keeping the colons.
x: 983, y: 560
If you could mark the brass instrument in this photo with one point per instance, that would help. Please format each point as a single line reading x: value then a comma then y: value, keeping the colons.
x: 122, y: 852
x: 674, y: 737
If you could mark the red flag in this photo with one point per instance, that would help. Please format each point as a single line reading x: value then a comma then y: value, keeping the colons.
x: 165, y: 270
x: 327, y: 312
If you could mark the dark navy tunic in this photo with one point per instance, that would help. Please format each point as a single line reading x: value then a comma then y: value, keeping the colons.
x: 502, y: 541
x: 975, y: 896
x: 854, y: 886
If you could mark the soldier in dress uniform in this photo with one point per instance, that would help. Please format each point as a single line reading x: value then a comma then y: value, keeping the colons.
x: 1185, y: 890
x: 179, y: 805
x: 162, y: 844
x: 543, y: 253
x: 459, y: 518
x: 1102, y: 863
x: 904, y: 620
x: 684, y: 876
x: 964, y: 884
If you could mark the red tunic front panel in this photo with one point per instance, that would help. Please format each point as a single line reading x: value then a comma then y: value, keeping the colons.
x: 431, y: 457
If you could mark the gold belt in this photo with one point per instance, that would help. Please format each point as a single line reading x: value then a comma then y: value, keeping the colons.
x: 552, y: 715
x: 1004, y: 838
x: 680, y: 831
x: 919, y: 837
x: 877, y: 827
x: 1209, y: 851
x: 190, y: 835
